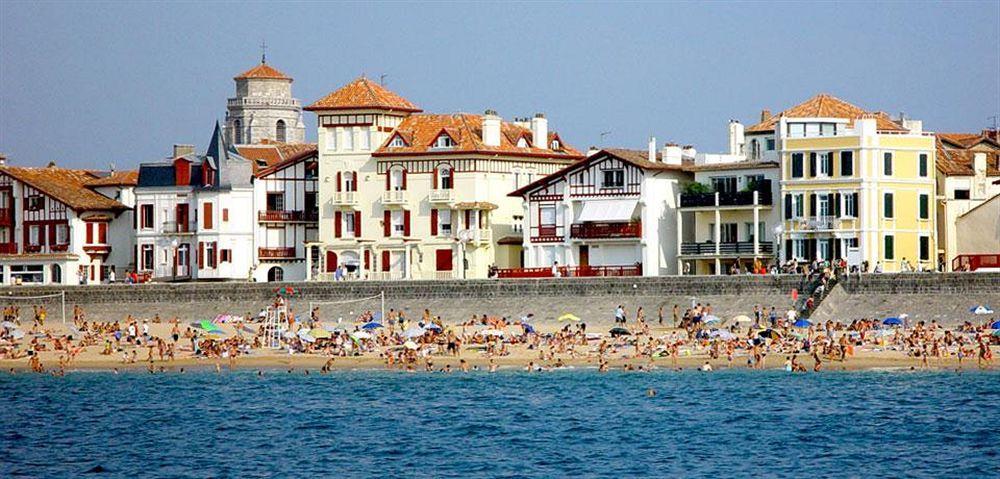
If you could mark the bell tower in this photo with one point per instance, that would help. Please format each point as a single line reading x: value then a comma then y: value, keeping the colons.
x: 263, y: 108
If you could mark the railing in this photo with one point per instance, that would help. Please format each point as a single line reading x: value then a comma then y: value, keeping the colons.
x: 442, y: 195
x: 385, y: 275
x: 275, y: 253
x: 820, y: 223
x: 741, y: 247
x: 435, y: 274
x: 167, y: 271
x: 8, y: 248
x: 546, y: 234
x: 345, y: 197
x: 571, y: 271
x: 173, y: 227
x: 972, y: 262
x: 393, y: 197
x: 32, y: 248
x: 266, y: 101
x: 286, y: 216
x: 59, y: 248
x: 606, y: 230
x: 738, y: 198
x: 482, y: 235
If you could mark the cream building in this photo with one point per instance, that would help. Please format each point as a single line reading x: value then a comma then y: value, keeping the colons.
x: 407, y: 195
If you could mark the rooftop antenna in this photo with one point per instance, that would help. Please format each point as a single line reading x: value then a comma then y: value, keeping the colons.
x: 263, y: 51
x: 995, y: 119
x: 381, y: 79
x: 604, y: 134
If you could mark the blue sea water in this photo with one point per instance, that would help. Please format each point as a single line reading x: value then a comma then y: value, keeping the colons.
x: 509, y: 424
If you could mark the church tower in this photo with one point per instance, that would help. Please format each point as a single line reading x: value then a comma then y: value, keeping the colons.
x: 263, y: 108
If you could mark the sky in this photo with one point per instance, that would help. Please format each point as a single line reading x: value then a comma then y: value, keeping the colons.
x: 90, y: 84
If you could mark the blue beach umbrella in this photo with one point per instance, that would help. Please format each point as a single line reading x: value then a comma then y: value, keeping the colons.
x: 802, y: 323
x: 711, y: 319
x: 372, y: 325
x: 892, y: 321
x: 995, y: 325
x: 980, y: 309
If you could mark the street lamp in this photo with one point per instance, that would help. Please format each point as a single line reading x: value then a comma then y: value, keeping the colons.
x: 174, y: 244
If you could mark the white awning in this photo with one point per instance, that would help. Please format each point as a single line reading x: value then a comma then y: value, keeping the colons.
x: 607, y: 210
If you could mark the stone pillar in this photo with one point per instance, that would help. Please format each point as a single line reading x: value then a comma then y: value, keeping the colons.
x: 407, y: 268
x: 361, y: 262
x: 680, y: 236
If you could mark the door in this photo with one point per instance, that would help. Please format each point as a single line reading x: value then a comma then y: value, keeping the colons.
x: 331, y: 261
x: 584, y: 255
x: 443, y: 259
x: 182, y: 218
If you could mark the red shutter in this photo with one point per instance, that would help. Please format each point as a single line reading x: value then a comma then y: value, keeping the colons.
x: 368, y: 260
x: 406, y: 223
x: 215, y: 253
x: 52, y: 234
x: 201, y: 254
x: 225, y: 215
x: 387, y: 224
x: 331, y: 261
x: 388, y: 175
x: 357, y: 224
x: 435, y: 178
x: 404, y: 180
x: 90, y: 233
x: 385, y: 261
x: 102, y: 233
x: 338, y: 181
x: 336, y: 225
x: 208, y: 216
x: 354, y: 185
x: 434, y: 222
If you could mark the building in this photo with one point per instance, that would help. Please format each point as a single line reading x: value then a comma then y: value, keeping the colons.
x: 286, y: 209
x: 968, y: 167
x: 410, y: 195
x: 855, y: 184
x: 195, y: 215
x: 732, y: 207
x: 63, y: 226
x: 978, y: 245
x: 263, y: 108
x: 613, y: 214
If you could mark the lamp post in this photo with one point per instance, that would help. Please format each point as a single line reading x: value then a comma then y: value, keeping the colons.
x: 173, y: 245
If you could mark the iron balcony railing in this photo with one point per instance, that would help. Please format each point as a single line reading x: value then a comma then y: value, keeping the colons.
x: 606, y: 230
x: 740, y: 247
x: 737, y: 198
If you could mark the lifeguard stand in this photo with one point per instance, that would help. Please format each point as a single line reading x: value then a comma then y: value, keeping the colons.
x: 275, y: 325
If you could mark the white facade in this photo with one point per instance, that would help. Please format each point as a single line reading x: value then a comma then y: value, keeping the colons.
x: 285, y: 213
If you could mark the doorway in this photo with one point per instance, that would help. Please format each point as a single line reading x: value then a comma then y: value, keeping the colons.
x: 584, y: 255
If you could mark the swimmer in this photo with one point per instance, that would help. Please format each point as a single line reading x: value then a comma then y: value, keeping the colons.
x: 706, y: 367
x: 651, y: 392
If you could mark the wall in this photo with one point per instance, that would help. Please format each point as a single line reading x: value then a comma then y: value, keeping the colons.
x: 980, y: 229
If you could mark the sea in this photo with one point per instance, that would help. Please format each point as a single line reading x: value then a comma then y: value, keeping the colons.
x: 567, y: 423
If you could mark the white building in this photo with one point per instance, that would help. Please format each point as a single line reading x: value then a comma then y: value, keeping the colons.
x: 55, y: 228
x: 613, y: 214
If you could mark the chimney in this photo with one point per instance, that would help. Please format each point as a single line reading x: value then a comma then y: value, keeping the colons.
x: 651, y: 155
x: 491, y: 128
x: 736, y: 138
x: 979, y: 163
x: 765, y: 115
x: 913, y: 126
x: 992, y: 133
x: 540, y: 131
x: 673, y: 154
x: 592, y: 151
x: 181, y: 150
x: 689, y: 152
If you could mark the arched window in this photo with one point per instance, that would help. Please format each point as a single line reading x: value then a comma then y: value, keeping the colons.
x: 445, y: 179
x: 56, y: 274
x: 280, y: 131
x: 754, y: 150
x: 275, y: 274
x: 238, y: 131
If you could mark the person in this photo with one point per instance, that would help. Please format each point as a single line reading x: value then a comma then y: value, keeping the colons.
x: 111, y: 275
x: 620, y: 314
x: 878, y: 267
x: 706, y: 367
x: 555, y: 269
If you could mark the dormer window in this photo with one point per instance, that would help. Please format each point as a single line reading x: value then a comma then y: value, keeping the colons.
x: 397, y: 142
x: 554, y: 145
x: 522, y: 143
x: 444, y: 141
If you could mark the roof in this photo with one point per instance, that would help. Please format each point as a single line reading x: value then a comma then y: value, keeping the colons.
x: 826, y: 106
x: 736, y: 165
x: 65, y: 185
x: 420, y: 132
x: 959, y: 161
x: 275, y: 155
x: 476, y: 205
x: 966, y: 140
x: 262, y: 71
x: 360, y: 94
x: 116, y: 178
x: 637, y: 158
x: 511, y: 239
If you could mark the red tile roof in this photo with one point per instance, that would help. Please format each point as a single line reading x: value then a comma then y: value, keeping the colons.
x: 274, y: 155
x: 826, y: 106
x: 638, y: 158
x: 958, y: 161
x: 362, y: 93
x: 117, y: 178
x: 65, y: 185
x: 262, y: 71
x: 966, y: 140
x: 420, y: 132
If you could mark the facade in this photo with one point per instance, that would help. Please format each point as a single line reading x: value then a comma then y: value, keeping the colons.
x: 263, y: 108
x: 286, y: 209
x: 968, y: 170
x: 613, y: 214
x: 855, y: 185
x: 978, y: 245
x: 195, y: 215
x: 55, y: 228
x: 407, y: 195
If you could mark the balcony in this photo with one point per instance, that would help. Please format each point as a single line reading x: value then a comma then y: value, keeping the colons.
x: 173, y: 227
x: 8, y: 248
x: 394, y: 197
x: 345, y: 198
x: 606, y: 230
x: 546, y: 234
x: 738, y: 198
x: 100, y: 249
x: 279, y: 216
x: 442, y: 196
x: 572, y: 271
x: 32, y: 248
x: 59, y: 248
x: 725, y: 249
x: 815, y: 223
x: 263, y: 101
x: 276, y: 253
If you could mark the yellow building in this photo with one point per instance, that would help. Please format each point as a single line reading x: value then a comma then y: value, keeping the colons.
x: 856, y: 185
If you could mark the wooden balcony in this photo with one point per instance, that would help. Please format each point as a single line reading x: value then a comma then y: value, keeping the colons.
x: 288, y: 216
x: 606, y: 230
x: 547, y: 234
x: 707, y: 248
x: 59, y: 248
x: 572, y: 271
x: 99, y: 249
x: 6, y: 217
x: 276, y: 253
x: 32, y: 248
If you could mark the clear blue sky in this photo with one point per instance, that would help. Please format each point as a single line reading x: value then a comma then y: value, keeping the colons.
x: 87, y: 84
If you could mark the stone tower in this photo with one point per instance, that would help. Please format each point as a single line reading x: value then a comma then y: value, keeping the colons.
x: 263, y: 108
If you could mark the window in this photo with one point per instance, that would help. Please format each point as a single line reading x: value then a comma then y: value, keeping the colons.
x: 349, y: 181
x: 331, y: 139
x: 36, y: 203
x: 348, y: 138
x: 850, y: 205
x: 522, y: 143
x: 207, y: 216
x: 210, y: 254
x: 366, y: 139
x: 923, y: 165
x: 396, y: 177
x: 518, y: 224
x: 812, y: 130
x: 147, y: 257
x: 62, y: 234
x: 146, y: 216
x: 798, y: 205
x: 554, y: 145
x: 924, y: 203
x: 547, y: 215
x: 225, y: 215
x: 238, y: 127
x: 797, y: 165
x: 226, y: 256
x: 887, y: 163
x: 925, y: 248
x: 825, y: 207
x: 398, y: 223
x: 796, y: 130
x: 961, y: 194
x: 754, y: 181
x: 799, y: 249
x: 444, y: 178
x: 824, y: 248
x: 754, y: 150
x: 279, y: 130
x: 729, y: 232
x: 397, y: 141
x: 613, y: 179
x: 827, y: 129
x: 444, y: 222
x: 34, y: 235
x: 724, y: 184
x: 444, y: 141
x: 825, y: 163
x: 349, y: 224
x: 887, y: 206
x: 846, y: 163
x: 890, y: 245
x: 770, y: 144
x: 275, y: 201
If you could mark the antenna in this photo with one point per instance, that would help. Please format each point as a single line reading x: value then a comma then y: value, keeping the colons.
x: 381, y: 79
x: 995, y: 118
x: 263, y: 51
x: 604, y: 134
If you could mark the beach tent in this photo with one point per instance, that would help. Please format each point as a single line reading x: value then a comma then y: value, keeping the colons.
x: 208, y: 326
x: 433, y: 327
x: 568, y: 317
x: 528, y: 329
x: 372, y: 325
x: 769, y: 333
x: 305, y: 336
x: 615, y: 332
x: 893, y: 321
x: 981, y: 309
x: 802, y: 323
x: 721, y: 334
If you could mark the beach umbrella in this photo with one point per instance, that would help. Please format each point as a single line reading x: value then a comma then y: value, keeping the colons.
x: 996, y: 333
x: 361, y: 335
x: 8, y: 325
x: 615, y: 332
x: 769, y: 333
x: 721, y: 334
x: 414, y: 332
x: 320, y: 333
x: 995, y: 325
x: 892, y: 321
x: 742, y: 318
x: 568, y: 317
x: 491, y: 332
x: 433, y: 327
x: 208, y: 326
x: 528, y: 329
x: 17, y: 334
x: 802, y: 323
x: 288, y: 335
x: 305, y: 336
x: 981, y: 309
x: 372, y: 325
x: 711, y: 319
x: 285, y: 291
x: 410, y: 345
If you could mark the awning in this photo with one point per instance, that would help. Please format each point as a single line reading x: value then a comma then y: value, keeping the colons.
x: 607, y: 210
